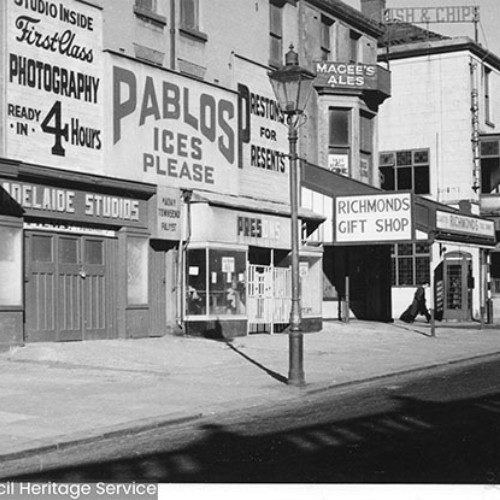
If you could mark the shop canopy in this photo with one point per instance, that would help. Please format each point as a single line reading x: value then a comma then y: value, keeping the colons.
x: 364, y: 214
x: 255, y: 205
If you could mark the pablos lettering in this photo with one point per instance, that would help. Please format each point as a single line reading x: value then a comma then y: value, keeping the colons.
x: 212, y: 118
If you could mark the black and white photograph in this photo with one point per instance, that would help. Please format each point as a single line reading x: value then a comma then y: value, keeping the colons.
x: 249, y: 248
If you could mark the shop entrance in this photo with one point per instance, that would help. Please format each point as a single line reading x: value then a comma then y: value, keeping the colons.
x: 67, y: 287
x: 458, y: 284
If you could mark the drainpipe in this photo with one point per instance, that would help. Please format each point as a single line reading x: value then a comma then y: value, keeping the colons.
x: 476, y: 186
x: 181, y: 256
x: 172, y: 35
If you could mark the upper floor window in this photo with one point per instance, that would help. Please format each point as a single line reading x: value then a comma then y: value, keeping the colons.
x: 354, y: 37
x: 326, y: 35
x: 406, y: 170
x: 276, y: 34
x: 365, y: 146
x: 149, y: 5
x: 339, y: 140
x: 190, y: 15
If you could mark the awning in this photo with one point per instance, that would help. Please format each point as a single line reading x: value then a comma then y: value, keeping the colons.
x: 256, y: 205
x: 439, y: 221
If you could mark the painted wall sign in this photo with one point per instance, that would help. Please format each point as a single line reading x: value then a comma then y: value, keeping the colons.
x: 463, y: 224
x: 69, y: 204
x: 169, y: 129
x: 53, y: 76
x: 373, y: 218
x: 166, y: 214
x: 442, y: 14
x: 346, y: 75
x: 263, y: 134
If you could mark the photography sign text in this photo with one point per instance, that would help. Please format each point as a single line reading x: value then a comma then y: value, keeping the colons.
x: 53, y: 81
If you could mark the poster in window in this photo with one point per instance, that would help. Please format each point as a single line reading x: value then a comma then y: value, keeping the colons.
x: 364, y: 170
x: 228, y: 264
x: 339, y: 164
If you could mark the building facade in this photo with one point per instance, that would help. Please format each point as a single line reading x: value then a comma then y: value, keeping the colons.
x: 434, y: 140
x: 144, y: 167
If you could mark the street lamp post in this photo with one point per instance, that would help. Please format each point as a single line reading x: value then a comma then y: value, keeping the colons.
x: 292, y: 86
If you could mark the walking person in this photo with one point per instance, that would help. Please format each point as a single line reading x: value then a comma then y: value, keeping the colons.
x: 418, y: 306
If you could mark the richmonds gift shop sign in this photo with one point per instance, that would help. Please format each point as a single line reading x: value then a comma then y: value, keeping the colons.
x: 373, y: 218
x: 53, y: 83
x: 169, y: 129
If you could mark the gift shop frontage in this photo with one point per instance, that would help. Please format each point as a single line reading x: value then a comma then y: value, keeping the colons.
x: 371, y: 242
x: 238, y: 267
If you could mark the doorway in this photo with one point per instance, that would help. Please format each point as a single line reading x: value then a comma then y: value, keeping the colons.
x: 67, y: 279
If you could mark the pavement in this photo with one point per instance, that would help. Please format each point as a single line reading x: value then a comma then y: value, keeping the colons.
x: 61, y: 394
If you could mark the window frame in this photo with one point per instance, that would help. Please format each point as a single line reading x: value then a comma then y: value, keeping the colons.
x: 398, y: 168
x: 326, y: 24
x: 275, y: 33
x: 415, y: 257
x: 488, y: 112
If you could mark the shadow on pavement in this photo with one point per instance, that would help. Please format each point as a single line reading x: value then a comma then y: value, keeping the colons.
x: 417, y: 441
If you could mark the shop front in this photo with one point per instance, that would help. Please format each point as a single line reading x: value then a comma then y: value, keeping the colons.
x: 238, y: 269
x: 75, y: 256
x: 379, y: 246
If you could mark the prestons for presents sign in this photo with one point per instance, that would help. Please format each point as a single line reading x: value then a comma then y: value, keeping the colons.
x: 263, y: 134
x: 373, y: 218
x: 53, y: 82
x: 170, y: 129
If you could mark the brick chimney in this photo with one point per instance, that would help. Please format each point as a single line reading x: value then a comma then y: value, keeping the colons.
x: 374, y: 9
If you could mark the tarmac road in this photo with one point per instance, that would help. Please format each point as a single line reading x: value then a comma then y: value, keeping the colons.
x: 438, y: 426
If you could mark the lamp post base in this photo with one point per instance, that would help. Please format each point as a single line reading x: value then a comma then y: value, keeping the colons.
x: 296, y: 375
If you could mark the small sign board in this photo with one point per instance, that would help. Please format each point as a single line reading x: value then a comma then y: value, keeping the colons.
x: 442, y: 14
x: 373, y: 218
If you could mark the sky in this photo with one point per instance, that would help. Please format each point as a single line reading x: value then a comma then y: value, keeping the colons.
x: 488, y: 28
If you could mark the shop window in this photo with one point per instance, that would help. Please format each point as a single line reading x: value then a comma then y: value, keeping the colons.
x: 326, y: 36
x: 410, y: 264
x: 407, y: 170
x: 196, y: 289
x: 338, y: 140
x: 137, y: 271
x: 275, y: 34
x: 215, y: 282
x: 11, y: 266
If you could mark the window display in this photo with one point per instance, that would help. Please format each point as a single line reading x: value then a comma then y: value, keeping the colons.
x: 215, y: 282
